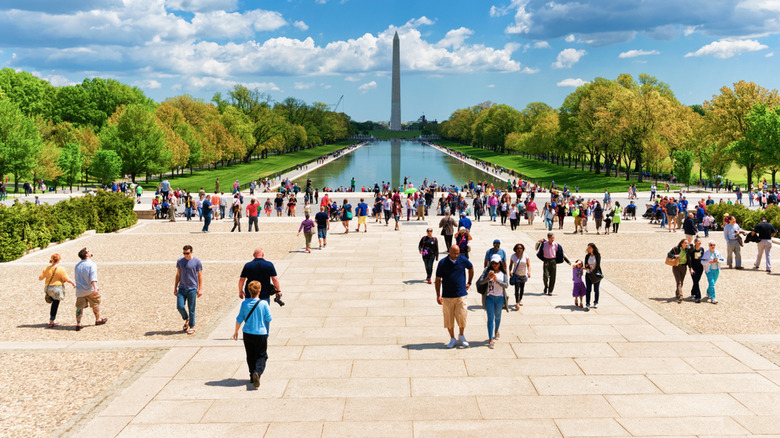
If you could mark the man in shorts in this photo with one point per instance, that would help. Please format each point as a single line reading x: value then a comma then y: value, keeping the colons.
x: 323, y: 225
x: 279, y: 205
x: 362, y: 215
x: 87, y: 289
x: 451, y: 291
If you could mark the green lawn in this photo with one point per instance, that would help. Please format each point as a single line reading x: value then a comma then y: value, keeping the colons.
x: 386, y: 135
x: 244, y: 172
x: 543, y: 172
x: 736, y: 174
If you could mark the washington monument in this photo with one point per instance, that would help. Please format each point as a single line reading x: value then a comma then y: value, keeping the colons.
x: 395, y: 109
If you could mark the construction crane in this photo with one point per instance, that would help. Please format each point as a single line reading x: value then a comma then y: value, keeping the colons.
x: 336, y: 106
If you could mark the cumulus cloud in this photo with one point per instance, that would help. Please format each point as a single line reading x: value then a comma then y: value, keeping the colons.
x: 492, y: 86
x: 571, y: 82
x: 301, y: 25
x: 367, y: 86
x: 303, y: 85
x: 455, y: 38
x: 570, y: 38
x: 220, y: 83
x: 201, y: 5
x: 568, y: 57
x: 541, y: 45
x: 724, y: 49
x: 147, y: 84
x: 658, y: 19
x: 635, y: 53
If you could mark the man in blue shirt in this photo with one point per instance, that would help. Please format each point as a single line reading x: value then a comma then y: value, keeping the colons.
x: 464, y: 221
x: 323, y: 225
x: 87, y: 294
x: 187, y: 287
x: 496, y: 250
x: 451, y: 291
x: 362, y: 215
x: 206, y: 208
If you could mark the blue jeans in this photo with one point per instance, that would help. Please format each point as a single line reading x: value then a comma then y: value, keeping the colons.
x: 493, y: 212
x: 591, y: 287
x: 548, y: 224
x: 712, y: 278
x: 188, y: 296
x: 206, y: 221
x: 188, y: 212
x: 493, y: 306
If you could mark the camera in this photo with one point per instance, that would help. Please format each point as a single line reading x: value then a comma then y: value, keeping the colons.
x: 278, y: 300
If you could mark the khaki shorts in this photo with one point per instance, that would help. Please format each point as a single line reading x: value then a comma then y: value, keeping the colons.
x: 362, y: 219
x: 454, y: 310
x: 88, y: 301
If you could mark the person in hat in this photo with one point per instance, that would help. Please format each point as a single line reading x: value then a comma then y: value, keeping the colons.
x: 464, y: 221
x: 495, y: 281
x: 496, y: 250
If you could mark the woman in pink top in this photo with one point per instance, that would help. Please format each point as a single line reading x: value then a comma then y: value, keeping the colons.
x: 531, y: 209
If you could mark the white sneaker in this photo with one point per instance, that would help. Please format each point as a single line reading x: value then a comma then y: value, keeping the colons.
x: 463, y: 341
x: 595, y: 306
x: 452, y: 343
x: 714, y: 301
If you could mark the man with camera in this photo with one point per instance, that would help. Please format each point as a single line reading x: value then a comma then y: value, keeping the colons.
x: 263, y: 271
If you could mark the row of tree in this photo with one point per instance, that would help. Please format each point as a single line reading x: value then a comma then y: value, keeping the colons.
x: 104, y: 128
x: 638, y: 126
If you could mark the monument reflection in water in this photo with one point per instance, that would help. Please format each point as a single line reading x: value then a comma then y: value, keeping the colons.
x: 393, y: 161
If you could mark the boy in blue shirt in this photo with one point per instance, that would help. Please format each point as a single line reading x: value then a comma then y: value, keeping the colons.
x: 255, y: 314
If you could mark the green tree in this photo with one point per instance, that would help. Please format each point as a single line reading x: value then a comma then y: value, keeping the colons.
x: 71, y: 161
x: 93, y: 101
x: 764, y: 134
x: 493, y: 125
x: 32, y: 95
x: 683, y: 165
x: 20, y: 142
x: 134, y: 135
x: 106, y: 165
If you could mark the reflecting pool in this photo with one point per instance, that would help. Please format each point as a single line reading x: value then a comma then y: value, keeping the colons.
x: 394, y: 160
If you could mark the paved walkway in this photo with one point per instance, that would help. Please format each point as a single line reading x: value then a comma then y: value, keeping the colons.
x: 359, y: 351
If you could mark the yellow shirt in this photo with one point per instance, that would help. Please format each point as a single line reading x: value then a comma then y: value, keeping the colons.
x: 58, y: 279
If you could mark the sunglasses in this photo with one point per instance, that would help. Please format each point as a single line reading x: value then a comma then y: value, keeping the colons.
x: 186, y: 253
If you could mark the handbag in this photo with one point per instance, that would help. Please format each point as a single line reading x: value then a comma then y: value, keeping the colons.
x: 595, y: 277
x: 349, y: 215
x: 56, y: 294
x: 672, y: 261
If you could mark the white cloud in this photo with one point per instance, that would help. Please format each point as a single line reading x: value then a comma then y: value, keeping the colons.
x: 455, y: 38
x: 367, y: 86
x: 301, y: 25
x: 219, y: 83
x: 568, y: 57
x: 690, y: 30
x: 724, y: 49
x: 541, y: 45
x: 55, y: 80
x: 492, y: 86
x: 635, y: 53
x: 769, y: 55
x: 201, y: 5
x: 147, y: 84
x: 303, y: 85
x: 772, y: 6
x: 571, y: 82
x: 570, y: 38
x: 523, y: 18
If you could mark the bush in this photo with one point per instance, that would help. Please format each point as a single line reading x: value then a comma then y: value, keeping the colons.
x: 26, y: 226
x: 746, y: 218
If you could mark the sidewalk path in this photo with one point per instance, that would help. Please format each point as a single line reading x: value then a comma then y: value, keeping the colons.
x: 359, y: 351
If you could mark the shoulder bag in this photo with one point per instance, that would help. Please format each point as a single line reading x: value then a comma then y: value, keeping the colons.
x: 672, y: 261
x: 53, y: 292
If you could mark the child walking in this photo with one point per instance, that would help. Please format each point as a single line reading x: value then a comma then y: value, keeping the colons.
x: 579, y: 288
x: 255, y: 314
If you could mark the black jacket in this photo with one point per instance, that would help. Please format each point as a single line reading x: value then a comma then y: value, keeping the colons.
x: 559, y: 256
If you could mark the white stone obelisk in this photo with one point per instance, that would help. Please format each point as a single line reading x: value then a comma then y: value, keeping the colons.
x: 395, y: 109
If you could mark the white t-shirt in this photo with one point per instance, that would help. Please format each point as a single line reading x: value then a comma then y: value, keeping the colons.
x: 520, y: 265
x: 495, y: 289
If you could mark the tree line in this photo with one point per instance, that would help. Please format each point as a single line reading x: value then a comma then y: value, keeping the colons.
x: 104, y: 128
x: 638, y: 126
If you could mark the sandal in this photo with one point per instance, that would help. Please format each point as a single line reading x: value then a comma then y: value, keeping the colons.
x: 79, y: 327
x: 53, y: 324
x: 101, y: 321
x: 186, y: 325
x: 190, y: 331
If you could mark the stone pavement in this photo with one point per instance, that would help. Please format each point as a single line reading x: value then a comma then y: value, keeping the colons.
x: 359, y: 351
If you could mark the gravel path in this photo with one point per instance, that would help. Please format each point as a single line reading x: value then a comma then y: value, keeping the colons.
x: 42, y: 391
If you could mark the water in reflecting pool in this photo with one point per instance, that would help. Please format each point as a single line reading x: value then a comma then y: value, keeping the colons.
x: 393, y: 161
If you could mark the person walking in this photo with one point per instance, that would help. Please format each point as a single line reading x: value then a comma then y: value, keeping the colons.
x: 598, y: 216
x: 689, y: 228
x: 617, y: 214
x: 695, y: 254
x: 447, y: 225
x: 732, y: 233
x: 711, y: 260
x: 593, y: 275
x: 307, y: 225
x: 236, y: 209
x: 346, y: 215
x: 323, y: 225
x: 679, y: 254
x: 548, y: 216
x: 513, y: 217
x: 187, y: 287
x: 463, y: 240
x: 255, y: 313
x: 493, y: 282
x: 551, y: 254
x: 252, y: 212
x: 87, y: 294
x: 429, y: 250
x: 451, y: 291
x: 54, y: 291
x: 206, y: 209
x: 520, y: 272
x: 263, y: 271
x: 578, y: 287
x: 362, y: 215
x: 765, y: 232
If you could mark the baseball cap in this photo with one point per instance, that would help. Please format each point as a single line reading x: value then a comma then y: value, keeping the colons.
x: 497, y: 241
x: 495, y: 259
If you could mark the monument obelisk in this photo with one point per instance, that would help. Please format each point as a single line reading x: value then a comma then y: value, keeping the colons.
x: 395, y: 109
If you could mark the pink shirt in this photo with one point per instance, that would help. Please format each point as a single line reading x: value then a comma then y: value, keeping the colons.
x: 549, y: 250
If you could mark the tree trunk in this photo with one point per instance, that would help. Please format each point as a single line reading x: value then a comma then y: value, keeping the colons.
x: 750, y: 174
x: 16, y: 182
x: 639, y: 168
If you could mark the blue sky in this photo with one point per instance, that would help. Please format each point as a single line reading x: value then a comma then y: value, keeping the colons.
x: 454, y: 53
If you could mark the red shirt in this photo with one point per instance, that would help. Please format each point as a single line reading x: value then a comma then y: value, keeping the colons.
x: 251, y: 210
